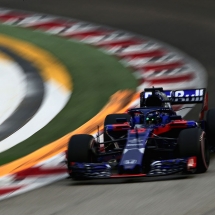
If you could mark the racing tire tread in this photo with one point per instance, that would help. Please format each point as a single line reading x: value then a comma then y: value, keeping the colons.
x: 193, y: 142
x: 80, y: 148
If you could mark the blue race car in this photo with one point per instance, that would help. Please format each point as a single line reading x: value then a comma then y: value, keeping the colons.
x: 148, y: 141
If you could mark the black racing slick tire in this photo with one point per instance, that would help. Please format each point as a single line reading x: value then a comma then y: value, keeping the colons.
x: 111, y: 119
x: 193, y: 142
x: 80, y: 148
x: 210, y: 126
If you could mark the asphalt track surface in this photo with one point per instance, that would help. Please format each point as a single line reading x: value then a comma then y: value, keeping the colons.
x: 187, y: 25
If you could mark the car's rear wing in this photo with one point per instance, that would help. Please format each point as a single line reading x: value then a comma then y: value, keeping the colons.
x: 186, y: 96
x: 182, y: 96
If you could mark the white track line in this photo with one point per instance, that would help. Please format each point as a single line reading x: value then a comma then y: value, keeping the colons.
x: 12, y: 87
x: 54, y: 101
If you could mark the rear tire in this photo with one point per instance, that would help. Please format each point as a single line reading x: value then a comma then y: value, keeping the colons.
x: 111, y: 119
x: 192, y: 142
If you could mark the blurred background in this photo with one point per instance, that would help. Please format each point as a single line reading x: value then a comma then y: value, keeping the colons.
x: 186, y: 25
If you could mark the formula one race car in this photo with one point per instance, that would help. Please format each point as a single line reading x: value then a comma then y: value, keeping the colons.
x: 148, y: 141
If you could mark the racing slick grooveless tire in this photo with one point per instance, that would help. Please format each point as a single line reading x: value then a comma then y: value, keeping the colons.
x: 210, y: 126
x: 80, y: 148
x: 111, y: 119
x: 192, y: 142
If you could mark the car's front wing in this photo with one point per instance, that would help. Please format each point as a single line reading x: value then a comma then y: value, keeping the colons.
x: 157, y: 168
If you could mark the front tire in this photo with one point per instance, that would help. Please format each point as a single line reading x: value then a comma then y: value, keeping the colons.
x: 80, y: 148
x: 192, y: 142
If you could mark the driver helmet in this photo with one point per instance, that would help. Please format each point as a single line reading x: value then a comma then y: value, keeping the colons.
x: 153, y: 118
x: 159, y: 99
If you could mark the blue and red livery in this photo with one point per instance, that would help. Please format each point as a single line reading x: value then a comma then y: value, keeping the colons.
x: 151, y: 140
